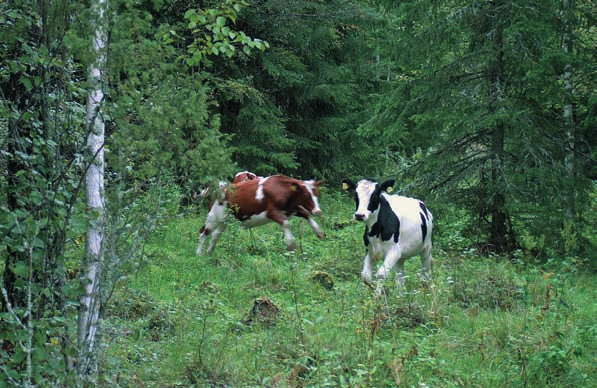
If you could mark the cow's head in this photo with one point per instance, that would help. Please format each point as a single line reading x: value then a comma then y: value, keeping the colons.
x: 313, y: 187
x: 366, y: 195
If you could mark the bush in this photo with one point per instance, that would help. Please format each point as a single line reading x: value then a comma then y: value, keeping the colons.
x: 494, y: 288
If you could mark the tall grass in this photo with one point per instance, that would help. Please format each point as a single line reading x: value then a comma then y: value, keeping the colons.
x: 253, y: 315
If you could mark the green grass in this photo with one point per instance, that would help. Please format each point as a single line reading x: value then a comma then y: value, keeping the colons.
x: 254, y: 315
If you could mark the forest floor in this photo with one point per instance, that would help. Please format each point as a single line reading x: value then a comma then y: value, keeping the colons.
x: 254, y: 315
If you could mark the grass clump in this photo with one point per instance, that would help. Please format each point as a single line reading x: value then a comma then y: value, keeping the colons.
x: 496, y: 289
x: 264, y: 312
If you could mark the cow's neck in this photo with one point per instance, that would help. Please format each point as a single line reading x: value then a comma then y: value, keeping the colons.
x: 372, y: 219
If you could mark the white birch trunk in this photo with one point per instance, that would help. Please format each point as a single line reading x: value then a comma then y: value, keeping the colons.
x: 89, y: 310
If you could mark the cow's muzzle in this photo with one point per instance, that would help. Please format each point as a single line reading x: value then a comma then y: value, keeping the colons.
x: 359, y: 217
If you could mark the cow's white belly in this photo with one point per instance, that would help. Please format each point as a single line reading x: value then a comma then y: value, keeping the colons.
x: 378, y: 249
x: 256, y: 220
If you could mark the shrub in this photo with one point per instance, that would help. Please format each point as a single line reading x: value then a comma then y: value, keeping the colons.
x: 488, y: 289
x: 549, y: 366
x: 130, y: 304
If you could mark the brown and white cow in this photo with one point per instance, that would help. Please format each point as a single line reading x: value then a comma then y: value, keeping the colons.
x: 396, y: 228
x: 256, y: 202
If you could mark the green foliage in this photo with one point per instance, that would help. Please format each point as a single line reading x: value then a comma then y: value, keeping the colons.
x: 153, y: 321
x: 549, y: 366
x: 214, y: 36
x: 197, y: 90
x: 41, y: 161
x: 163, y: 123
x: 460, y: 79
x: 307, y: 92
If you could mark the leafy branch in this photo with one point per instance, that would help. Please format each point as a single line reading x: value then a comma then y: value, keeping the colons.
x: 214, y: 36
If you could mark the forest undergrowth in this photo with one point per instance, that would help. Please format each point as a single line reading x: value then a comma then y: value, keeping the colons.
x: 254, y: 315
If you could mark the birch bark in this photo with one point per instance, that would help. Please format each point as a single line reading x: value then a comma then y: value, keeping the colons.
x: 90, y: 301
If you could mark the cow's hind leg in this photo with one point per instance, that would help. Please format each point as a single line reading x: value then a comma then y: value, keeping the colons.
x: 288, y: 236
x: 215, y: 236
x: 427, y: 263
x: 282, y: 220
x: 203, y: 233
x: 214, y: 226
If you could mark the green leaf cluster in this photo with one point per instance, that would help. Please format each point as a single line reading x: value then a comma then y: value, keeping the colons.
x: 214, y: 37
x: 42, y: 137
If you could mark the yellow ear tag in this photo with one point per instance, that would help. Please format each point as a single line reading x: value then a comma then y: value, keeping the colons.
x: 390, y: 189
x: 344, y: 186
x: 293, y: 188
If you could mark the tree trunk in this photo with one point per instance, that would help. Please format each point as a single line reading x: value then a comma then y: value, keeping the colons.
x: 89, y: 310
x: 568, y: 113
x: 498, y: 233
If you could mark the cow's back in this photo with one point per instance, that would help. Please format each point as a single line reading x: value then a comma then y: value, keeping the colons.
x: 408, y: 209
x: 277, y: 192
x: 242, y: 199
x: 286, y: 194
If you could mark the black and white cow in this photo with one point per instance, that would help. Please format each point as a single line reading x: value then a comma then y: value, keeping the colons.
x: 397, y: 228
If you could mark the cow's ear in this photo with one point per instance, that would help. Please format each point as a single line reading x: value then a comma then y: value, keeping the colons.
x: 348, y: 185
x: 387, y: 186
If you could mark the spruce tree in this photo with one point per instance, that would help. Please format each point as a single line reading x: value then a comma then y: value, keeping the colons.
x: 476, y: 109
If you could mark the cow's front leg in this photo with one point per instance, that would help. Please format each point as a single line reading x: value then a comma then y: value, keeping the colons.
x: 366, y: 272
x: 391, y: 258
x: 320, y: 234
x: 303, y: 213
x: 400, y: 276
